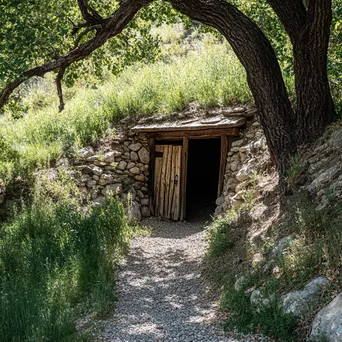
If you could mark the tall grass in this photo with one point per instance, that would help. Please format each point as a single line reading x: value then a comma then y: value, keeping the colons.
x: 56, y: 259
x: 209, y: 74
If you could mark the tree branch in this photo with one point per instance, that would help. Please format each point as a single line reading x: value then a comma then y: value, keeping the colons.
x: 59, y: 87
x: 111, y: 27
x: 292, y: 14
x: 87, y: 30
x: 92, y: 18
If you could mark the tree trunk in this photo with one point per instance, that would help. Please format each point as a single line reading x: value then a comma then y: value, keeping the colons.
x: 263, y: 72
x: 315, y: 107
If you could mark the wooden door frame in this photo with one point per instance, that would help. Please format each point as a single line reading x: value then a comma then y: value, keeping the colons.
x: 225, y: 136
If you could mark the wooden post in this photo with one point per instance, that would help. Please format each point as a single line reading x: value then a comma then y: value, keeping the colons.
x: 223, y: 163
x: 152, y: 146
x: 184, y: 174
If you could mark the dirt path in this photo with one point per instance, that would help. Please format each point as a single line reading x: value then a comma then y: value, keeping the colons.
x: 162, y: 296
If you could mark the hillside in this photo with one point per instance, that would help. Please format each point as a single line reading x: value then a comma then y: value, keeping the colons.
x: 74, y: 186
x: 278, y: 265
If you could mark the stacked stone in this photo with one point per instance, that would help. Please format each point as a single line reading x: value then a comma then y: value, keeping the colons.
x: 323, y: 170
x: 122, y: 171
x: 248, y: 156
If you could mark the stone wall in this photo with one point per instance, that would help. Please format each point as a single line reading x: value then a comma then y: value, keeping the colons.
x: 248, y: 158
x: 321, y: 169
x: 118, y: 166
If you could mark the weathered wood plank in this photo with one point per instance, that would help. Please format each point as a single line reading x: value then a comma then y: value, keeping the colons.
x: 172, y: 181
x: 163, y: 181
x: 157, y: 179
x: 168, y: 167
x: 183, y: 177
x: 176, y: 207
x: 151, y: 178
x: 191, y: 125
x: 223, y: 163
x: 200, y: 134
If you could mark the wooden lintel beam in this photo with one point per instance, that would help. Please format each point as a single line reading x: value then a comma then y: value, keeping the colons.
x: 200, y: 134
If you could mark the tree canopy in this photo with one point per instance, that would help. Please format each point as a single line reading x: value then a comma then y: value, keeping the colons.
x: 269, y: 37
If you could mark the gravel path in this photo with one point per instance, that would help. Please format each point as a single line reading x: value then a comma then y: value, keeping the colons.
x: 162, y: 296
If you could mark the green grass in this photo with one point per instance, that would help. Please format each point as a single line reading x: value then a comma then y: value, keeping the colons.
x: 209, y: 73
x: 315, y: 251
x: 57, y: 262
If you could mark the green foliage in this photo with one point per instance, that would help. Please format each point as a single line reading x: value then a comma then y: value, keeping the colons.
x: 218, y: 236
x: 295, y: 172
x: 316, y: 249
x: 246, y: 318
x: 43, y: 135
x: 35, y: 32
x: 56, y: 259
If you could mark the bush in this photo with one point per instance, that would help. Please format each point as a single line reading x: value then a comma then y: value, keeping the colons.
x: 246, y: 318
x: 218, y: 237
x: 56, y: 259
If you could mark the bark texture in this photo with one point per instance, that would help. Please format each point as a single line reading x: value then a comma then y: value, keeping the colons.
x: 309, y: 31
x: 263, y: 71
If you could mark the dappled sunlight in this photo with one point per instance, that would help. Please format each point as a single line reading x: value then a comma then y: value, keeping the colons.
x: 161, y: 292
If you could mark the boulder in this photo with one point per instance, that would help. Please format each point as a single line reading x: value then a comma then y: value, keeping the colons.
x: 91, y: 183
x: 86, y: 152
x: 140, y: 178
x: 99, y: 201
x: 130, y: 165
x: 244, y: 173
x: 109, y: 157
x: 300, y: 302
x: 145, y: 212
x: 105, y: 179
x: 281, y: 246
x: 97, y: 171
x: 122, y: 166
x: 112, y: 189
x: 220, y: 201
x: 144, y: 155
x: 133, y: 212
x: 328, y: 322
x: 260, y: 300
x: 134, y: 170
x: 135, y: 147
x: 134, y: 156
x: 145, y: 201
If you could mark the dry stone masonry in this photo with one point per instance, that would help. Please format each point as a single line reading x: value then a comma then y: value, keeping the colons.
x: 119, y: 167
x: 247, y: 158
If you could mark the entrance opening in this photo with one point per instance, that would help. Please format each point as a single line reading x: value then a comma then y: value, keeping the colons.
x: 202, y: 177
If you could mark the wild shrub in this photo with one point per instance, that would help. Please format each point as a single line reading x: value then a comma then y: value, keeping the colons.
x: 218, y: 237
x: 269, y: 320
x: 55, y: 260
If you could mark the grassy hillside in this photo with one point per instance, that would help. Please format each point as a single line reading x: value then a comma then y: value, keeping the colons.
x: 206, y: 71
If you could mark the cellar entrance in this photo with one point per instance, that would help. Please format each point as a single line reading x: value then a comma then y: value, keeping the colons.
x: 202, y: 177
x: 187, y: 163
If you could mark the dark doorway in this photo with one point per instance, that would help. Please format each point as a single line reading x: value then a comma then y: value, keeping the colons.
x: 203, y: 177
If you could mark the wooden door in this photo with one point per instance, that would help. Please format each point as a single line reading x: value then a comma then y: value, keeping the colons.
x: 167, y: 181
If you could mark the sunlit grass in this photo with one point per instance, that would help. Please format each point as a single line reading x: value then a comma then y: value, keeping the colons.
x: 209, y: 74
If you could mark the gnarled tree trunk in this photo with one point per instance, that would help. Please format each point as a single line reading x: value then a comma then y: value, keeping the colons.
x: 263, y: 72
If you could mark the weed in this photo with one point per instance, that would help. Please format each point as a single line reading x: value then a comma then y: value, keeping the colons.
x: 218, y: 237
x: 269, y: 320
x: 56, y: 259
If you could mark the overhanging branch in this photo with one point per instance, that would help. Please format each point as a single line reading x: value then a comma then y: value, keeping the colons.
x: 111, y: 27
